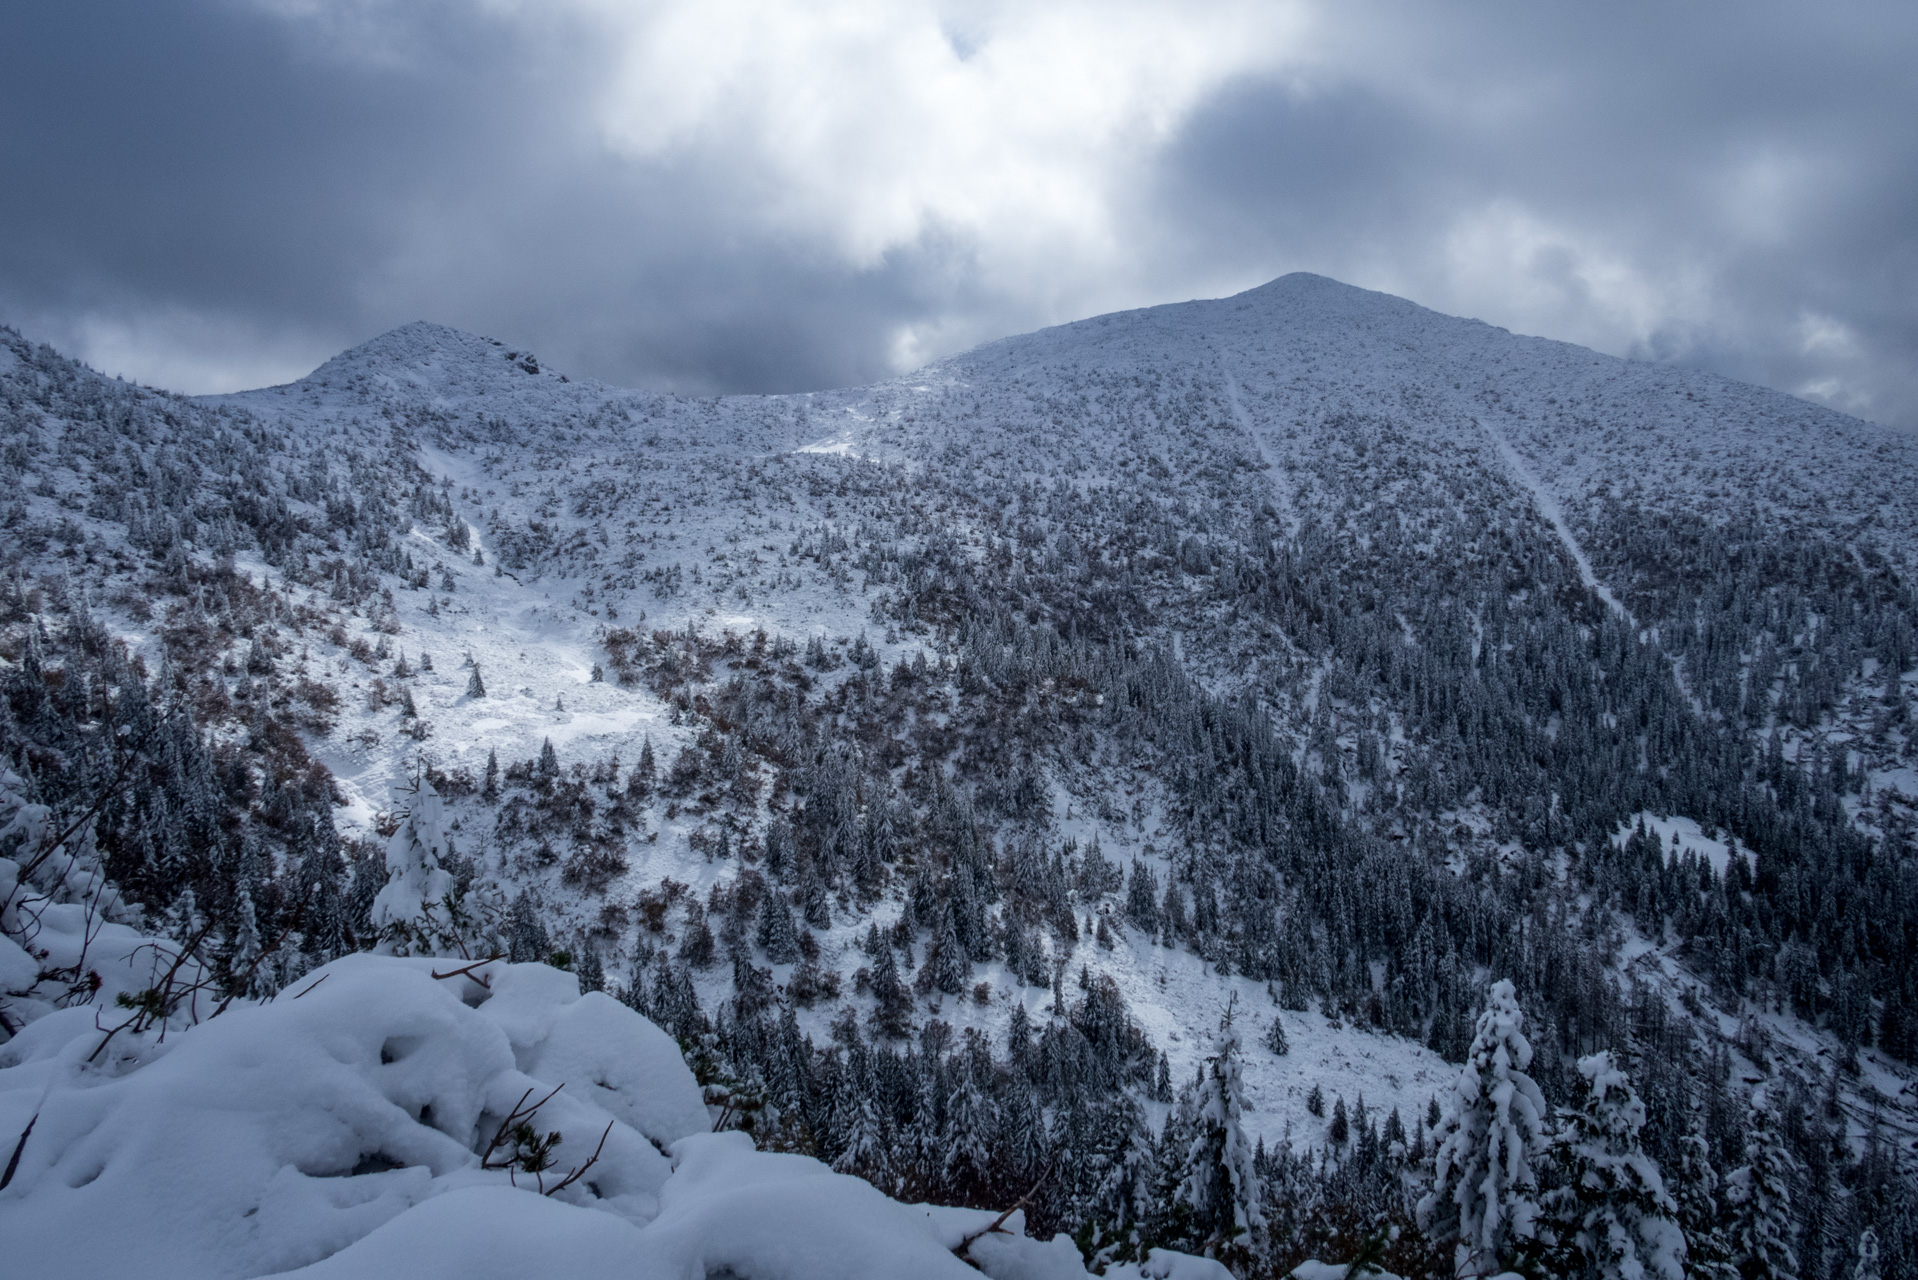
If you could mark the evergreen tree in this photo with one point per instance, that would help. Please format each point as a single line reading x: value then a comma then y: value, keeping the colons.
x: 475, y: 687
x: 697, y: 946
x: 1758, y: 1197
x: 250, y: 975
x: 672, y: 1001
x: 1696, y: 1191
x: 526, y: 939
x: 489, y: 789
x: 548, y: 762
x: 946, y: 968
x: 413, y: 914
x: 1275, y: 1037
x: 1483, y: 1179
x: 776, y: 935
x: 633, y: 995
x: 892, y: 1015
x: 1142, y: 898
x: 1221, y: 1186
x: 860, y: 1129
x: 1612, y: 1217
x: 971, y: 1133
x: 639, y: 783
x: 1868, y: 1266
x: 592, y: 973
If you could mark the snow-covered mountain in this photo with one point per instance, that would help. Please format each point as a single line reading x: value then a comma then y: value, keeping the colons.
x: 1304, y: 653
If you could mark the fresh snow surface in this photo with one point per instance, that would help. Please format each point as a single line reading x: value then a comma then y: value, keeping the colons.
x: 1681, y: 835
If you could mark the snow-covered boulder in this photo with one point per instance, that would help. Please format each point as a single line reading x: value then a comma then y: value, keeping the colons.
x: 275, y: 1135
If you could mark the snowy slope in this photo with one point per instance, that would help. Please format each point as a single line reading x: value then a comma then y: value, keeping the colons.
x: 1278, y: 395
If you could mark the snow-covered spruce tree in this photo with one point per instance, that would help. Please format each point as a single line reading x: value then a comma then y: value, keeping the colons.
x: 1696, y: 1191
x: 413, y: 914
x: 1868, y: 1265
x: 776, y: 935
x: 475, y: 687
x: 1758, y: 1198
x: 1613, y: 1218
x: 640, y: 782
x: 1221, y: 1183
x: 1484, y: 1184
x: 946, y: 968
x: 591, y: 970
x: 1275, y: 1037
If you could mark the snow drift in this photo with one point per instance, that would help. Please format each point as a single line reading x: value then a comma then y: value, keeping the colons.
x: 367, y: 1123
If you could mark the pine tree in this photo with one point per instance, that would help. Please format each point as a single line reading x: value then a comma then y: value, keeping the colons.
x: 946, y: 968
x: 1613, y: 1217
x: 592, y: 973
x: 776, y: 935
x: 245, y: 960
x: 489, y: 789
x: 971, y: 1133
x: 860, y: 1130
x: 892, y: 1015
x: 1275, y: 1037
x: 634, y: 995
x: 1483, y: 1180
x: 1758, y: 1196
x: 1221, y: 1186
x: 697, y: 946
x: 1142, y: 898
x: 639, y: 784
x: 548, y: 762
x: 475, y: 687
x: 1696, y: 1191
x: 526, y: 938
x: 412, y: 913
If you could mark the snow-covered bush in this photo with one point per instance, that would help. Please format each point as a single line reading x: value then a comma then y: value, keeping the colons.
x: 416, y: 912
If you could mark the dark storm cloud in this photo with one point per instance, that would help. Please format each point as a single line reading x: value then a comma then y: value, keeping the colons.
x: 223, y: 192
x: 204, y: 160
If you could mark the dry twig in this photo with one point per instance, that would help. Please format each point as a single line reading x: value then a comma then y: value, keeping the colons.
x: 591, y: 1160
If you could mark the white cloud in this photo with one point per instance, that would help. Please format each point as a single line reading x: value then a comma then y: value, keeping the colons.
x: 867, y: 124
x: 179, y: 349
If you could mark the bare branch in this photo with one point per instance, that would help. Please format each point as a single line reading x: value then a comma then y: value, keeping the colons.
x: 998, y: 1223
x: 513, y: 1119
x: 467, y: 971
x: 591, y: 1160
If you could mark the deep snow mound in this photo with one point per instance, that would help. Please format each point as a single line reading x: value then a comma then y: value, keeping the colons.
x: 423, y: 1117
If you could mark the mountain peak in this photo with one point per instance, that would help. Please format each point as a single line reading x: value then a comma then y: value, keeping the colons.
x: 437, y: 358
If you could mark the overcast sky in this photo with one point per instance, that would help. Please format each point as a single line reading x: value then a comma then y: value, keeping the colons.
x: 721, y: 195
